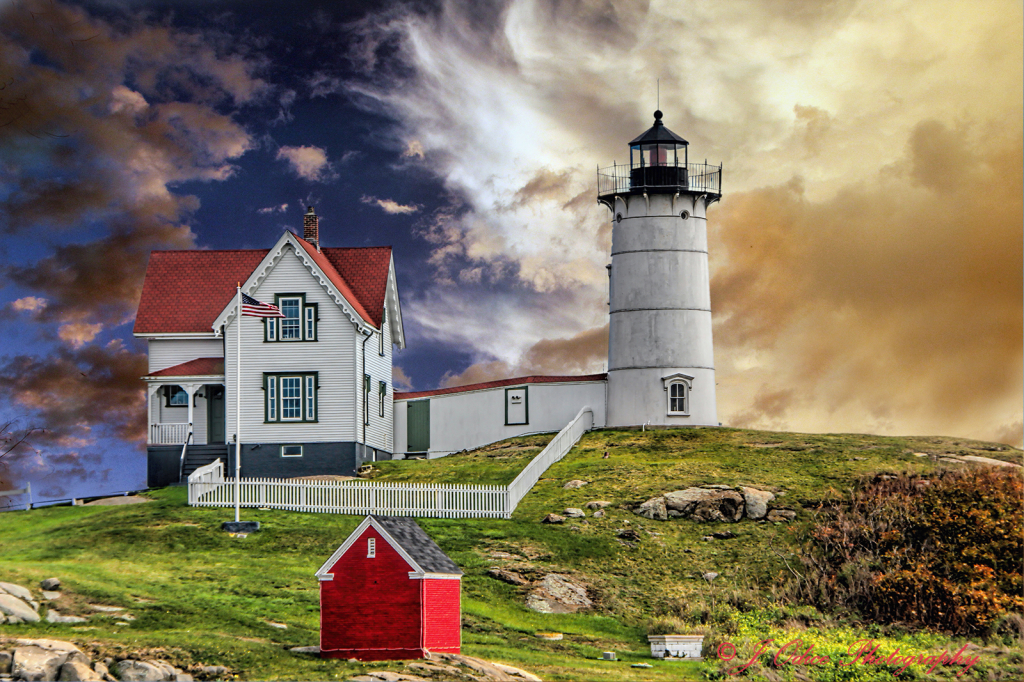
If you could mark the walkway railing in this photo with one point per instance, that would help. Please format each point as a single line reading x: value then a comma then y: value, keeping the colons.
x: 625, y: 179
x: 168, y: 434
x: 207, y: 487
x: 554, y: 452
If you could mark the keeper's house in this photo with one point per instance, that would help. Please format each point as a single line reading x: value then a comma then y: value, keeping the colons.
x: 316, y: 393
x: 389, y: 592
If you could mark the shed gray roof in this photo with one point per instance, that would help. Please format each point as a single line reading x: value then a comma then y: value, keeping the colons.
x: 415, y: 541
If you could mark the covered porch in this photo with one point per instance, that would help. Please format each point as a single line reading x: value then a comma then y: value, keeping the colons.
x: 186, y: 404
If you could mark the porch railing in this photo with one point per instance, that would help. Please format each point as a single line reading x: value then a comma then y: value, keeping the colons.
x: 168, y: 434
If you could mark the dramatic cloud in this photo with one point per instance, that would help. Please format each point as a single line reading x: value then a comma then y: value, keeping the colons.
x: 99, y: 122
x: 389, y: 205
x: 400, y: 379
x: 309, y: 163
x: 866, y: 256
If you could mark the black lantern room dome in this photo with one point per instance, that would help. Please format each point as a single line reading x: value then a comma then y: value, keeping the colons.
x: 658, y: 134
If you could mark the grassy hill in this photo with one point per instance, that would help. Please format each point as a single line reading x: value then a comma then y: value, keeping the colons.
x: 199, y: 595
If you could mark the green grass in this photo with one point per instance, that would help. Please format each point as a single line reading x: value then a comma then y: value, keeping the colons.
x: 202, y: 596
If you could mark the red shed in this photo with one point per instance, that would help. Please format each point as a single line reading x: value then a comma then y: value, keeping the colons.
x: 389, y: 592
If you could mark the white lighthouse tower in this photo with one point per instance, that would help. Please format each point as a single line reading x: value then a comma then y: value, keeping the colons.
x: 661, y: 368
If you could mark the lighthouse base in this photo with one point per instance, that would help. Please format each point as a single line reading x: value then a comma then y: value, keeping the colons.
x: 638, y: 397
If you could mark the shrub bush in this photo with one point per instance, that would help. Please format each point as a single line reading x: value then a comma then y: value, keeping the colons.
x: 944, y: 552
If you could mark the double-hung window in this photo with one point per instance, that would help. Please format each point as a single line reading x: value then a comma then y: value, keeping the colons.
x: 290, y: 397
x: 299, y: 322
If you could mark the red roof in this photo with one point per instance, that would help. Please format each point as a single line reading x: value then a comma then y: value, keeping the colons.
x: 200, y: 367
x: 501, y: 382
x: 185, y: 291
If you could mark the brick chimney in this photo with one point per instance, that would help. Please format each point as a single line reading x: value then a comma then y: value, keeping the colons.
x: 311, y: 227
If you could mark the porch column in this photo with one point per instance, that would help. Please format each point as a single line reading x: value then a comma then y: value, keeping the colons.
x: 191, y: 390
x: 151, y: 390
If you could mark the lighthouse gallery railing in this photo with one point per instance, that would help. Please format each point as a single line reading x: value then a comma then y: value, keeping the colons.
x: 637, y: 178
x: 208, y: 487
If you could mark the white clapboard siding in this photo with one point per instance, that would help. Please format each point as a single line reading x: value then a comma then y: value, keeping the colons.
x: 379, y: 429
x: 207, y: 487
x: 332, y: 355
x: 164, y: 353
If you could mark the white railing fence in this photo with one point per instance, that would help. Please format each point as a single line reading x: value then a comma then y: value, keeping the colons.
x: 207, y: 487
x: 168, y: 434
x: 554, y: 452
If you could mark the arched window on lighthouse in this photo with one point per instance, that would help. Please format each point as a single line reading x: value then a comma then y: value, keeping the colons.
x: 677, y: 394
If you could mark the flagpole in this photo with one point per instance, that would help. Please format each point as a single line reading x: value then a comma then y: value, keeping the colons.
x: 238, y: 403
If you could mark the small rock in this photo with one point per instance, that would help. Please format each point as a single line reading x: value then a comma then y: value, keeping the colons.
x: 17, y: 590
x: 708, y: 537
x: 653, y: 509
x: 574, y: 513
x: 298, y: 650
x: 781, y: 515
x: 628, y: 534
x: 571, y: 485
x: 641, y: 665
x: 279, y: 626
x: 597, y: 504
x: 517, y: 672
x: 106, y: 609
x: 50, y: 584
x: 53, y: 616
x: 756, y: 502
x: 709, y: 576
x: 217, y: 671
x: 859, y: 459
x: 502, y: 555
x: 100, y: 668
x: 599, y: 514
x: 507, y: 576
x: 553, y: 518
x: 76, y: 669
x: 723, y: 535
x: 12, y: 606
x: 50, y: 596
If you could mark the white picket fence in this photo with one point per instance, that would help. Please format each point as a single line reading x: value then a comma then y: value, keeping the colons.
x: 208, y: 487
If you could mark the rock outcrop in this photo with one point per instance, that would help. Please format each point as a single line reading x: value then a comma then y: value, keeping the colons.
x: 556, y: 593
x: 712, y: 503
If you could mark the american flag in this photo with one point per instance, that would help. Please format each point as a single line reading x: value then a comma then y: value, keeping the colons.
x: 254, y: 308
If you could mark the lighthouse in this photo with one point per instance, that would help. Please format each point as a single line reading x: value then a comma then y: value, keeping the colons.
x: 661, y: 367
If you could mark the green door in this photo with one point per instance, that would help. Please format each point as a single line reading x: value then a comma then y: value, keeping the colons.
x: 214, y: 413
x: 418, y: 425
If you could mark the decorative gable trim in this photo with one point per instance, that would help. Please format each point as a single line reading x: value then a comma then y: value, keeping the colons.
x: 369, y: 521
x: 267, y: 265
x: 393, y: 305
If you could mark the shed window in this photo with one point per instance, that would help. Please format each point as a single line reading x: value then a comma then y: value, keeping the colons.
x: 371, y: 548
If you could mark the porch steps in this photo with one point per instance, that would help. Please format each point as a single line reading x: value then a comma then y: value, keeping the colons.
x: 200, y: 455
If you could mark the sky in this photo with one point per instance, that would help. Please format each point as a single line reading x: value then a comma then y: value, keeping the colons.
x: 866, y: 256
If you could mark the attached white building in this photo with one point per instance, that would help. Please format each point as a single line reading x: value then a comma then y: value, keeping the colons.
x: 315, y: 388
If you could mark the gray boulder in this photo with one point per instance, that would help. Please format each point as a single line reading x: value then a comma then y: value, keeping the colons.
x: 781, y: 515
x: 50, y: 584
x: 599, y: 514
x: 17, y: 590
x: 141, y: 671
x: 597, y: 504
x: 556, y: 593
x: 653, y: 509
x: 572, y: 485
x: 76, y: 669
x: 574, y: 513
x: 12, y: 606
x: 553, y: 518
x: 706, y: 504
x: 756, y: 502
x: 40, y: 659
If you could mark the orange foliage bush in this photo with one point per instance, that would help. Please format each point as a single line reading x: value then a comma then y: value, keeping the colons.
x: 944, y: 552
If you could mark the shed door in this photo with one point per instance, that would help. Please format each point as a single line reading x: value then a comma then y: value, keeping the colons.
x: 516, y: 409
x: 418, y: 425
